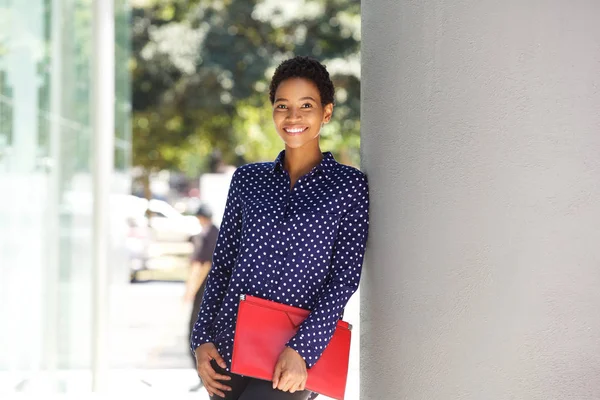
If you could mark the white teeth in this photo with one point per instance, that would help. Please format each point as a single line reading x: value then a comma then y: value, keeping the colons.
x: 294, y: 130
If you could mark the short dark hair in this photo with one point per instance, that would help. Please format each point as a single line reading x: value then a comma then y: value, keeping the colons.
x: 204, y: 211
x: 308, y: 68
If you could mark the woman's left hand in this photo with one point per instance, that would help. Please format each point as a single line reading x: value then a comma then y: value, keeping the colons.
x: 290, y: 372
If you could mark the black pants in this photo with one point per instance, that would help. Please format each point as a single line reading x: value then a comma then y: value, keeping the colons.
x: 244, y: 388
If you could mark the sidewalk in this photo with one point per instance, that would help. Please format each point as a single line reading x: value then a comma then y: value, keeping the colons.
x: 148, y: 350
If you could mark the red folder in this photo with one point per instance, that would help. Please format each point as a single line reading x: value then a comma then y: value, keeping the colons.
x: 264, y: 327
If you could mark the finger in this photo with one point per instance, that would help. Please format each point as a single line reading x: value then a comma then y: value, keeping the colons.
x: 207, y: 369
x: 221, y: 387
x: 299, y: 387
x: 304, y: 381
x: 295, y: 384
x: 213, y: 389
x: 214, y: 375
x: 213, y: 379
x: 281, y: 382
x: 218, y: 383
x: 214, y: 354
x: 285, y: 382
x: 220, y: 377
x: 293, y: 387
x: 292, y: 383
x: 277, y: 375
x: 302, y: 386
x: 217, y: 393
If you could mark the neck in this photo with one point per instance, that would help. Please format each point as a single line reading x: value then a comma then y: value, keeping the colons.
x: 300, y: 161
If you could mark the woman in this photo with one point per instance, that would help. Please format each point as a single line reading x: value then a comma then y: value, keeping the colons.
x: 294, y: 231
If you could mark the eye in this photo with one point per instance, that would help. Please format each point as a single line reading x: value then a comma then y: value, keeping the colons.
x: 306, y: 105
x: 281, y: 106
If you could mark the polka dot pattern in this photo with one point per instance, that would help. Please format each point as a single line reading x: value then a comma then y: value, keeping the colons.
x: 302, y: 247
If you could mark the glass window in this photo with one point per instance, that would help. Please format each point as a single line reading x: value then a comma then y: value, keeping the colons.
x: 46, y: 180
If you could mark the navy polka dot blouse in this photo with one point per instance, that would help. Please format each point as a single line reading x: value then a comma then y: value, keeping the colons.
x: 303, y: 247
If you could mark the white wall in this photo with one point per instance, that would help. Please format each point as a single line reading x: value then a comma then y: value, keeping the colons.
x: 481, y: 141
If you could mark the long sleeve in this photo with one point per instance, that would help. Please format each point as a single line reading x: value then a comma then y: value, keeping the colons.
x: 343, y: 279
x: 223, y: 260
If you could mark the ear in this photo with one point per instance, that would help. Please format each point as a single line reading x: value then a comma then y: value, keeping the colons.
x: 328, y: 112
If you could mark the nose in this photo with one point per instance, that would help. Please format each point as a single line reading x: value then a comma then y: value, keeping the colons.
x: 293, y: 114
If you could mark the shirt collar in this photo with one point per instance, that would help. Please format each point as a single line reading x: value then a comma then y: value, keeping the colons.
x: 325, y: 166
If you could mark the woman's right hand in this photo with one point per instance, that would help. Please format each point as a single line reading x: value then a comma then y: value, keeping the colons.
x: 210, y: 378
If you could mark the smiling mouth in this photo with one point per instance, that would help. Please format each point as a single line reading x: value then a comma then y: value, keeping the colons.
x: 295, y: 131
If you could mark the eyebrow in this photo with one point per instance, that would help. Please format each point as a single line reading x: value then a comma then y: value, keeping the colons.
x: 303, y: 98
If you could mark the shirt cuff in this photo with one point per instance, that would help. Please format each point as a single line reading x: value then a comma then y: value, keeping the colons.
x: 199, y: 337
x: 300, y: 344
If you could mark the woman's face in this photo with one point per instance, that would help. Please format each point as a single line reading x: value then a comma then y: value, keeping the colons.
x: 297, y: 112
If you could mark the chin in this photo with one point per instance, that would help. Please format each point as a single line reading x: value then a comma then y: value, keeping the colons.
x: 298, y: 141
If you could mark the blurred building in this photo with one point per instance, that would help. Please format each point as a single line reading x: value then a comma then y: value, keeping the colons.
x: 46, y: 181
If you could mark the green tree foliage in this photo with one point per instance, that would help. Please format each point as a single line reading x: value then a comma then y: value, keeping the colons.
x: 201, y: 70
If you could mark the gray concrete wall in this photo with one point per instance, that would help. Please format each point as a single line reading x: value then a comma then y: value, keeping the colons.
x: 481, y: 140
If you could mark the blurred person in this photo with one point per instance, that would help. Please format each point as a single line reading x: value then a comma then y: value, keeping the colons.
x: 294, y: 231
x: 204, y: 246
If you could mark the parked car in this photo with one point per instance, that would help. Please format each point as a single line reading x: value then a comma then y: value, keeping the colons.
x: 165, y: 222
x: 155, y: 230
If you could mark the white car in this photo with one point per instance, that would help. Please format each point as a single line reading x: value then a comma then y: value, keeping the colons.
x: 155, y: 241
x: 166, y: 224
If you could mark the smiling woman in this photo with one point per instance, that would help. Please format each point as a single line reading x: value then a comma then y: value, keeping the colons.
x: 294, y: 231
x: 298, y: 112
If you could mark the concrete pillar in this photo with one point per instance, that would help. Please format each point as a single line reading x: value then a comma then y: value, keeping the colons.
x: 481, y: 140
